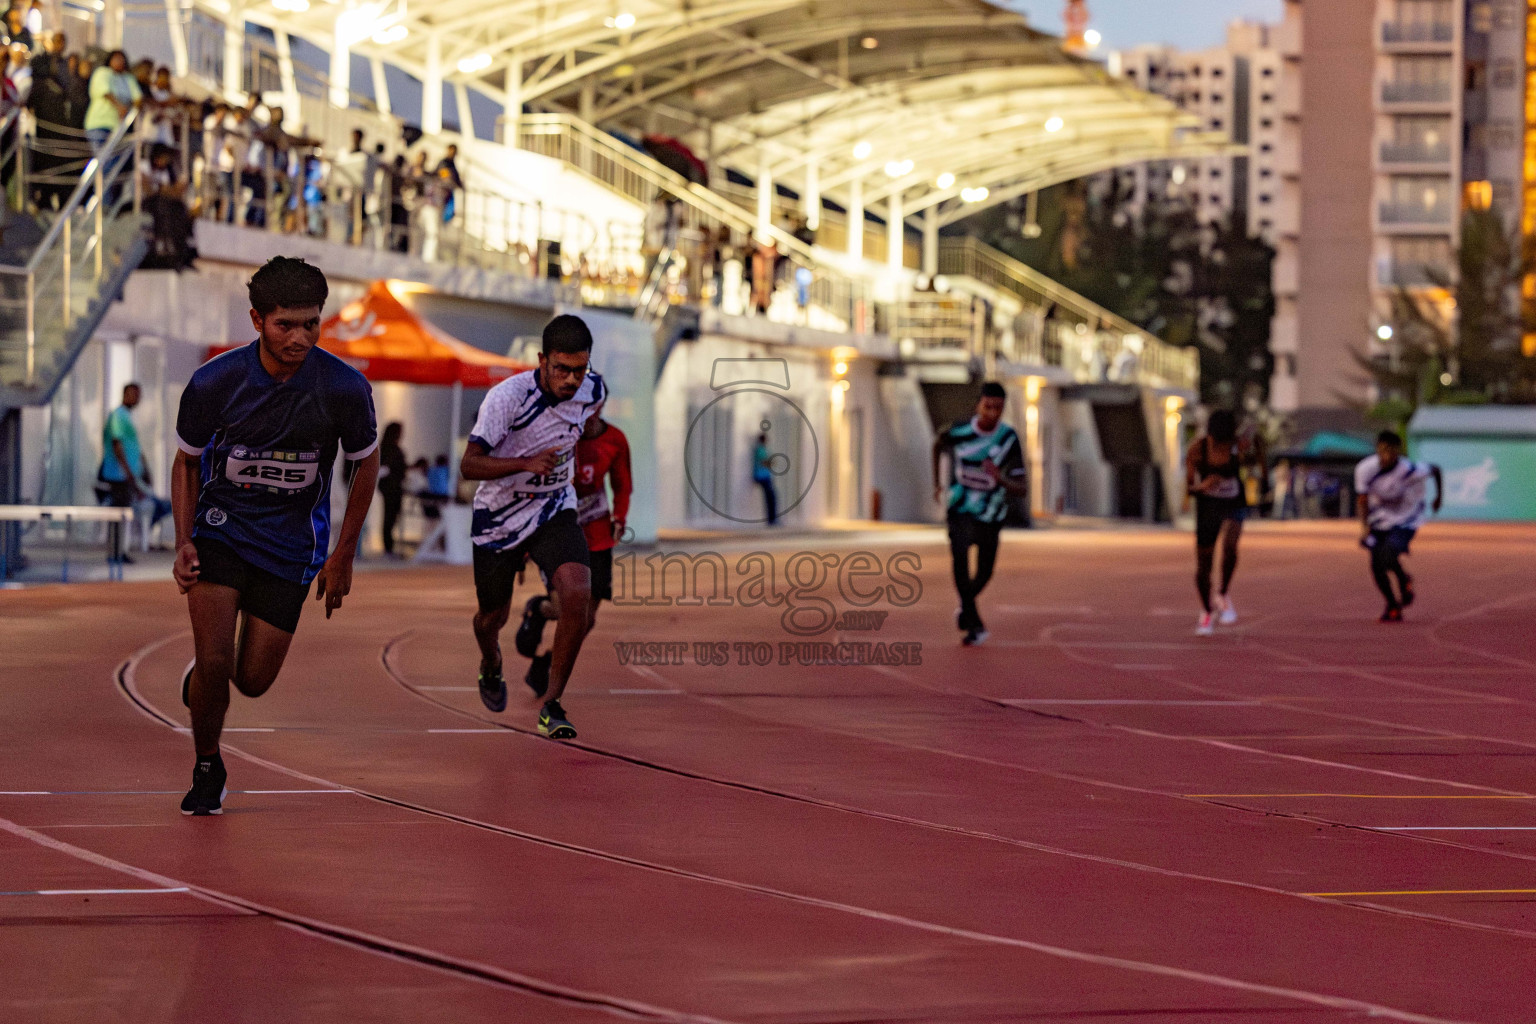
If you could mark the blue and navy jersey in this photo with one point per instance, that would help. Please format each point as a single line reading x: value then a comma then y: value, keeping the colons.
x: 267, y: 450
x: 972, y: 491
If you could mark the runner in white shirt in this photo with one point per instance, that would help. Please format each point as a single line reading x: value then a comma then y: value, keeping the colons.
x: 1390, y: 491
x: 523, y: 451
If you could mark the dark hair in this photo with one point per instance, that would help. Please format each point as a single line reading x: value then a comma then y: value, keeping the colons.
x: 116, y: 53
x: 1222, y: 426
x: 392, y: 434
x: 287, y: 282
x: 762, y: 438
x: 1390, y: 437
x: 992, y: 389
x: 568, y: 335
x: 132, y: 384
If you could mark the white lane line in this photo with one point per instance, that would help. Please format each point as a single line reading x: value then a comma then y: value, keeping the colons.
x: 231, y: 728
x: 87, y: 892
x: 508, y: 731
x: 268, y: 791
x: 1027, y: 701
x: 1453, y: 828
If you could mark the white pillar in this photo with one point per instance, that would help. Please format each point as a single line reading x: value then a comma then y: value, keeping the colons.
x: 856, y: 218
x: 234, y: 57
x: 432, y: 87
x: 931, y: 240
x: 812, y: 195
x: 380, y: 86
x: 466, y: 118
x: 512, y: 107
x: 764, y: 199
x: 341, y: 65
x: 895, y: 233
x: 179, y: 62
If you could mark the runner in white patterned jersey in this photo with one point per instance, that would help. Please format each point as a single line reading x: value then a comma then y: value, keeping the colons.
x: 1390, y: 491
x: 523, y: 451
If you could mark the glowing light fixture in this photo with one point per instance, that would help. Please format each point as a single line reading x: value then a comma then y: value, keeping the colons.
x: 623, y: 21
x: 945, y: 180
x: 1092, y: 38
x: 862, y: 150
x: 898, y: 168
x: 840, y: 368
x: 1384, y: 332
x: 475, y: 62
x: 869, y: 43
x: 1054, y: 125
x: 974, y: 195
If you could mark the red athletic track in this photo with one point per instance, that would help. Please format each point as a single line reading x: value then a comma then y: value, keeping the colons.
x: 1096, y: 816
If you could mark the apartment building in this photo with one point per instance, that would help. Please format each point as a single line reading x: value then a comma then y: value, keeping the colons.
x: 1232, y: 88
x: 1421, y: 115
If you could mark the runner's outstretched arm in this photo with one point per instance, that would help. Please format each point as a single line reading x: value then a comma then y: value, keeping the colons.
x: 335, y: 579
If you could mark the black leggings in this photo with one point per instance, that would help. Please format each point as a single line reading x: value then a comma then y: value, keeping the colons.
x: 392, y: 502
x: 966, y: 532
x: 1216, y: 519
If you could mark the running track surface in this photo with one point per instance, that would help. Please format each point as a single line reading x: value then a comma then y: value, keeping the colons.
x: 1097, y: 816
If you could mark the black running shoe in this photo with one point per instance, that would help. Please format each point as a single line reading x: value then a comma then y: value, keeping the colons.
x: 552, y: 722
x: 530, y: 632
x: 1407, y: 591
x: 208, y: 791
x: 493, y: 691
x: 186, y: 685
x: 1392, y: 614
x: 538, y: 674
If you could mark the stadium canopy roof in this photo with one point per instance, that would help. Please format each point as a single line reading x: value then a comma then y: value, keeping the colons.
x: 929, y: 99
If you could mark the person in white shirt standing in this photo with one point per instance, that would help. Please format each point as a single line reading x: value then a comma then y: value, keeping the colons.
x: 1391, y: 500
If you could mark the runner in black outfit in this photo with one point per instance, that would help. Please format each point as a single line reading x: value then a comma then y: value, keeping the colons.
x: 1213, y: 468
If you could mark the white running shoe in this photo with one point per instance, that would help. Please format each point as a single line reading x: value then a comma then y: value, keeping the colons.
x: 1228, y: 612
x: 1205, y: 627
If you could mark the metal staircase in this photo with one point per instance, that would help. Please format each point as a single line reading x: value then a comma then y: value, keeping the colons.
x: 51, y: 304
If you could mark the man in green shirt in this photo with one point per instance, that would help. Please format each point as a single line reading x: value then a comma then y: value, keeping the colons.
x: 123, y: 469
x: 986, y: 466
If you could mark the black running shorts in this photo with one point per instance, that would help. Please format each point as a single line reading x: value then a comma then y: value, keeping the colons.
x: 602, y: 575
x: 550, y: 546
x: 272, y: 599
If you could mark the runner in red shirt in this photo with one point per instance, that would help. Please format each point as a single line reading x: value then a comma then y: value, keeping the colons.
x: 602, y: 454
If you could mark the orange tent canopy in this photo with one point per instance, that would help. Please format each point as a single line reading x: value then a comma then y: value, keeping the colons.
x: 385, y: 341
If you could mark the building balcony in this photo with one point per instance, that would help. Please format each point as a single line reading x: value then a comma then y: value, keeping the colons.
x: 1418, y: 33
x: 1415, y: 214
x: 1416, y: 92
x: 1414, y: 153
x: 1287, y: 272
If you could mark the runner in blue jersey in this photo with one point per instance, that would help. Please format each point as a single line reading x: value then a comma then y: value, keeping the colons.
x: 986, y: 467
x: 523, y: 452
x: 258, y: 432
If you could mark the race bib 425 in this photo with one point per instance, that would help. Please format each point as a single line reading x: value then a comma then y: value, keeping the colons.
x: 281, y: 472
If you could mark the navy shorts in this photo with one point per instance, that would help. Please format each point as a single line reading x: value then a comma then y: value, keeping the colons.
x: 1395, y: 540
x: 1212, y: 513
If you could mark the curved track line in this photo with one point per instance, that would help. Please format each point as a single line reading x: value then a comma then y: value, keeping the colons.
x: 127, y: 686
